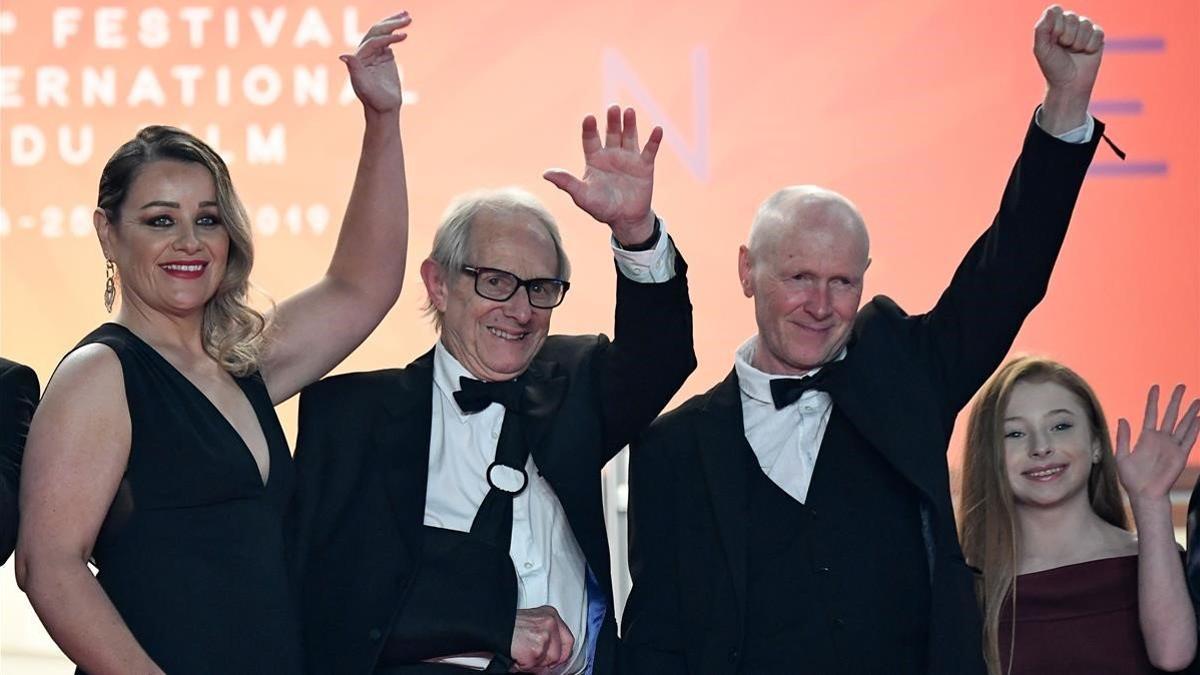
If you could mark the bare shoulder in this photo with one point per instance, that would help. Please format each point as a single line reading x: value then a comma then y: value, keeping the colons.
x: 76, y: 454
x: 91, y: 369
x: 85, y: 396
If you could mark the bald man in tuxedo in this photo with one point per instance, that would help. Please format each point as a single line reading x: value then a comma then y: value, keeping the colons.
x: 797, y: 517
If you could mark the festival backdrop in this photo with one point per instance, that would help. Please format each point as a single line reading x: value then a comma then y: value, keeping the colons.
x: 915, y: 110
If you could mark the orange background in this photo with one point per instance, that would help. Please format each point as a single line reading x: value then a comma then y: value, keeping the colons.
x: 915, y: 110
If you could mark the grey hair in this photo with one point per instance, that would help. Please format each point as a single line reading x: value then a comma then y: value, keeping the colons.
x: 451, y: 242
x: 781, y: 208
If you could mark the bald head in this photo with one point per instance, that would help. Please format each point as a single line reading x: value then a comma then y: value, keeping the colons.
x: 804, y: 212
x: 804, y: 267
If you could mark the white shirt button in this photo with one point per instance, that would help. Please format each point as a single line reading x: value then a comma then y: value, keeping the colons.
x: 528, y: 565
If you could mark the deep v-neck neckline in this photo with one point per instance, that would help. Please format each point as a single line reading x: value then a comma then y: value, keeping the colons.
x: 247, y: 453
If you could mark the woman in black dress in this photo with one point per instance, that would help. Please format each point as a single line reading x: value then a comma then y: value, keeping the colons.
x: 156, y: 452
x: 1067, y: 589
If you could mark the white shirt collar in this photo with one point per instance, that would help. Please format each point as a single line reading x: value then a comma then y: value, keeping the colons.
x: 446, y: 371
x: 753, y: 382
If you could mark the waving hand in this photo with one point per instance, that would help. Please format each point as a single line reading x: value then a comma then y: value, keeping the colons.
x: 618, y: 179
x: 1153, y: 465
x: 373, y: 72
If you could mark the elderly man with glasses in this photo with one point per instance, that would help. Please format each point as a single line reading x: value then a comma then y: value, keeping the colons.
x: 448, y: 514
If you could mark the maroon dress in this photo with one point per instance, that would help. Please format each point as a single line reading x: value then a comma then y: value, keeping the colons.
x: 1076, y: 620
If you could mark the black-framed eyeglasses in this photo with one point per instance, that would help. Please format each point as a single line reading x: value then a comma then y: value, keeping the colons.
x: 500, y: 285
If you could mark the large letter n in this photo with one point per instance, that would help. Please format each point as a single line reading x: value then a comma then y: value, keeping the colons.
x: 619, y: 76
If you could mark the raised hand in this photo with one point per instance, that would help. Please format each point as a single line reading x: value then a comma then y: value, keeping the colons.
x: 372, y: 66
x: 1068, y: 48
x: 618, y: 180
x: 1150, y: 470
x: 540, y: 640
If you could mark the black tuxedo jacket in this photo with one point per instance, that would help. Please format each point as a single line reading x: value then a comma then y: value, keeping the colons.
x: 18, y: 398
x: 1192, y: 559
x: 363, y: 561
x: 903, y: 382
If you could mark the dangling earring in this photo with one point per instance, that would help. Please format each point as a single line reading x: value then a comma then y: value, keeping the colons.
x: 110, y: 287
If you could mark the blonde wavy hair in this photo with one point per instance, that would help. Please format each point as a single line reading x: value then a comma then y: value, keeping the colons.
x: 988, y: 530
x: 233, y: 331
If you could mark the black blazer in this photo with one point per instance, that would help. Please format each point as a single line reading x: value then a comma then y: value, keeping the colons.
x: 361, y: 556
x: 18, y: 399
x: 902, y: 384
x: 1192, y: 559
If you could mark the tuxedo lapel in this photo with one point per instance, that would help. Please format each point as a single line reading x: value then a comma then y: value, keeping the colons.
x: 863, y: 388
x: 402, y: 438
x: 543, y: 397
x: 721, y: 442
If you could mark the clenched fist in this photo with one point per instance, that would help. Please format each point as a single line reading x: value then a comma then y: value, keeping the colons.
x: 1068, y: 48
x: 540, y: 639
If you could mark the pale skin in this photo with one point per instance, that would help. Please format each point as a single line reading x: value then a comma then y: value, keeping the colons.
x: 618, y: 178
x: 513, y: 244
x: 804, y: 267
x: 79, y: 441
x: 1047, y: 427
x: 616, y: 189
x: 1147, y: 472
x: 540, y: 640
x: 1054, y: 534
x: 1068, y: 49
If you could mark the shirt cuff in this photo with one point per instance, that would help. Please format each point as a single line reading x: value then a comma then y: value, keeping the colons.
x: 1080, y: 134
x: 652, y: 266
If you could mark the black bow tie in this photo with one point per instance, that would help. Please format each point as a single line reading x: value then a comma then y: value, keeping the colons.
x: 787, y: 390
x: 476, y: 395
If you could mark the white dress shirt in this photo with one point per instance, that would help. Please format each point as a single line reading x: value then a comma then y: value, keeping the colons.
x: 785, y: 441
x: 1080, y: 134
x: 549, y: 563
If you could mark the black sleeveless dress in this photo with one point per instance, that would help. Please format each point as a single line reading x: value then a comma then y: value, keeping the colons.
x: 192, y: 550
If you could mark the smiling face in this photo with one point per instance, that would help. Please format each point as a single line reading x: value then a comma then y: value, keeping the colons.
x: 169, y: 244
x: 493, y: 340
x: 804, y: 267
x: 1049, y: 446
